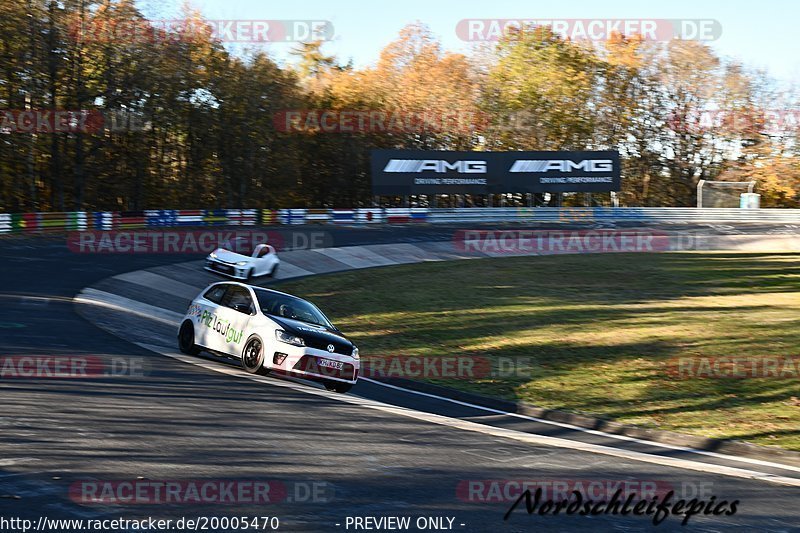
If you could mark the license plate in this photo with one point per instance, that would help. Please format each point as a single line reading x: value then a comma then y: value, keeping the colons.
x: 223, y: 268
x: 327, y: 363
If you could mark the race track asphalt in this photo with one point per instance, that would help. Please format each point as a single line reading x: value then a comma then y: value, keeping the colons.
x: 177, y: 422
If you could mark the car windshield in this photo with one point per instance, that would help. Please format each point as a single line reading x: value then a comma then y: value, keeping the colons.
x: 285, y: 306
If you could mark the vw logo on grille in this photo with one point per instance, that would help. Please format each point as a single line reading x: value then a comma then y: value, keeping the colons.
x: 330, y: 348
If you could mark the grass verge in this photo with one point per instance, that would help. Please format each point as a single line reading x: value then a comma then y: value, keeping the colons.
x: 594, y: 334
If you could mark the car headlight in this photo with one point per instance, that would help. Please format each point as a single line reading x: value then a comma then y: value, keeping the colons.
x: 288, y: 338
x: 355, y: 352
x: 241, y: 263
x: 212, y: 255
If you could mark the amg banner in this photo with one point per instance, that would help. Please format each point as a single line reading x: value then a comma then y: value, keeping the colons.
x: 405, y: 172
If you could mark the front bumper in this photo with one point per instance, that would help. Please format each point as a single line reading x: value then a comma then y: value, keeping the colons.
x: 310, y: 363
x: 226, y: 269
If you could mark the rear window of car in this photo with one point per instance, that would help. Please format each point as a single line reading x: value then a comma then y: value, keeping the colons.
x: 214, y: 294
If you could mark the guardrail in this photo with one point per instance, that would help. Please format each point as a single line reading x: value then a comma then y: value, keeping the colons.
x: 615, y: 214
x: 115, y: 220
x: 160, y: 218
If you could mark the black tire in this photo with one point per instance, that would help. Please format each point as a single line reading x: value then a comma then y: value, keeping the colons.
x: 186, y: 339
x: 273, y: 271
x: 253, y: 356
x: 249, y: 274
x: 338, y: 386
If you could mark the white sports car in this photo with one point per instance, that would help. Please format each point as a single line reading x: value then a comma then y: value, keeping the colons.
x: 264, y: 261
x: 269, y: 330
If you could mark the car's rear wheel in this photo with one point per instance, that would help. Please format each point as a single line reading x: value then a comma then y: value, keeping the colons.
x: 186, y: 339
x: 338, y: 386
x: 273, y: 271
x: 253, y: 356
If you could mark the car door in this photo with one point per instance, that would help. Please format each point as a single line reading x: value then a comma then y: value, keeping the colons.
x: 207, y: 310
x: 233, y: 317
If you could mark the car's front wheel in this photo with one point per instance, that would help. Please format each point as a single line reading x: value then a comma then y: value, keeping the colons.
x: 253, y: 356
x: 186, y: 339
x: 338, y: 386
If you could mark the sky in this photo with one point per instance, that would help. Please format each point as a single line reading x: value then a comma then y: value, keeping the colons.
x: 759, y: 34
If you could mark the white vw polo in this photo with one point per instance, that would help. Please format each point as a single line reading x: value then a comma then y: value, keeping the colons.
x: 269, y: 330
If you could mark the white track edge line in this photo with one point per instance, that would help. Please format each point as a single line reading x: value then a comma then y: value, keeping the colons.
x: 84, y: 299
x: 475, y: 427
x: 592, y: 431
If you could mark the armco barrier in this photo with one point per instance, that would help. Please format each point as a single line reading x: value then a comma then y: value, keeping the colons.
x: 241, y: 217
x: 318, y: 216
x: 160, y: 218
x: 163, y: 218
x: 614, y: 214
x: 100, y: 220
x: 269, y: 217
x: 404, y: 215
x: 292, y: 216
x: 343, y: 216
x: 215, y: 217
x: 668, y: 214
x: 190, y: 217
x: 130, y: 220
x: 43, y: 222
x: 373, y: 215
x: 58, y: 221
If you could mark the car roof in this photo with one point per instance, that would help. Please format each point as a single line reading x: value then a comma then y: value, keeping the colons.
x: 255, y: 287
x: 273, y: 291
